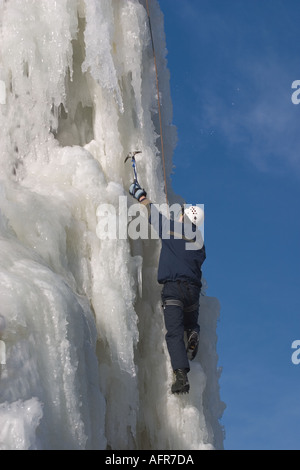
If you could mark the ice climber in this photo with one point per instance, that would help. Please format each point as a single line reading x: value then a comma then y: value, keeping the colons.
x: 179, y: 271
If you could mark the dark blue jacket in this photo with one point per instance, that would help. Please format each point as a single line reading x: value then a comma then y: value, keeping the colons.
x: 181, y: 258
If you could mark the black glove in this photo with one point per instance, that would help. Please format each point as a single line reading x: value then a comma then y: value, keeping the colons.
x: 136, y: 191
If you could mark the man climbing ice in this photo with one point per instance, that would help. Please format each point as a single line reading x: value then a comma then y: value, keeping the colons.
x: 180, y: 273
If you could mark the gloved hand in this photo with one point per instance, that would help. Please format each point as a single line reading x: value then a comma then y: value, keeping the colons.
x: 136, y: 191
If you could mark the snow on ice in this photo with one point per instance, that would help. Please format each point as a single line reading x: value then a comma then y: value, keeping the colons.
x: 86, y: 363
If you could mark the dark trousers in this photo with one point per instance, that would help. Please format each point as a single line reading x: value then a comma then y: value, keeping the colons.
x: 177, y: 321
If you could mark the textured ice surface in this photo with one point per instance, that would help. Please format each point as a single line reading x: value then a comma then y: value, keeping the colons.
x: 86, y: 362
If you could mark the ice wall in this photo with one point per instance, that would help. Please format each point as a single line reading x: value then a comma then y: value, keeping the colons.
x: 86, y: 363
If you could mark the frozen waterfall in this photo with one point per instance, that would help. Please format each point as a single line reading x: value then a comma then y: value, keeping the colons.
x: 86, y: 366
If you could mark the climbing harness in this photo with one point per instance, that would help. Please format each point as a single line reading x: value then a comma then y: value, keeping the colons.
x: 178, y: 303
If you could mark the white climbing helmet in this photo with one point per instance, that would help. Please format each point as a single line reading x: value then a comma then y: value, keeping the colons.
x: 195, y: 214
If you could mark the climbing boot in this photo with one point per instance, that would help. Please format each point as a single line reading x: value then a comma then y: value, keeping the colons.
x: 181, y: 383
x: 192, y: 345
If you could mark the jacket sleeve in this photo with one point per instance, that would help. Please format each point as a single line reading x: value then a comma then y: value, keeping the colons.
x: 147, y: 203
x: 158, y: 221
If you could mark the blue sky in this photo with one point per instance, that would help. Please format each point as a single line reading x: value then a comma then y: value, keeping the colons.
x: 232, y: 65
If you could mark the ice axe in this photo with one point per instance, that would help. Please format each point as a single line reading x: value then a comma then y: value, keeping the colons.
x: 132, y: 155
